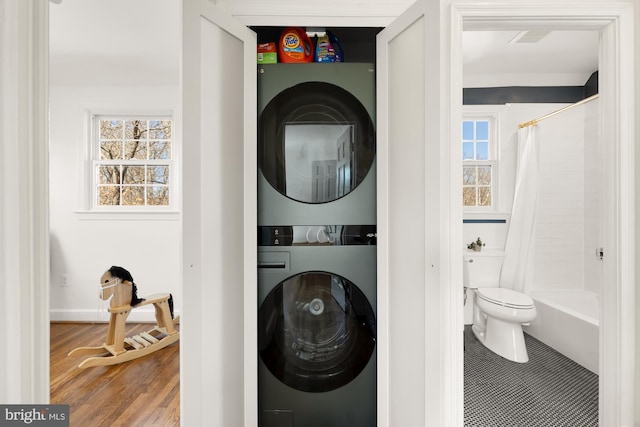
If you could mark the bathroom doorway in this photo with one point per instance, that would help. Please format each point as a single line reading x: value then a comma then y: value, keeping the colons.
x: 613, y: 239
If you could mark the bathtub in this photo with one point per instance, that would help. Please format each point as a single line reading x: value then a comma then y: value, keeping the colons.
x: 568, y: 322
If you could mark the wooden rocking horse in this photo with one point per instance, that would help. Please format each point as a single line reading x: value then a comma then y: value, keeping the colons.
x: 118, y: 283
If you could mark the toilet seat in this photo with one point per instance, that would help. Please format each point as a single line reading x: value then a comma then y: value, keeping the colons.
x: 505, y: 298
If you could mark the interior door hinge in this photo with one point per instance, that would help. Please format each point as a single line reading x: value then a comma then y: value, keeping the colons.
x: 600, y: 253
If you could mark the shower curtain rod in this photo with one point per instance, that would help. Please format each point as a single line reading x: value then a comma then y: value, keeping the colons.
x: 568, y: 107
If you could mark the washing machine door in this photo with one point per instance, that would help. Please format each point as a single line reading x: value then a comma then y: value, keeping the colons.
x: 316, y: 331
x: 316, y: 142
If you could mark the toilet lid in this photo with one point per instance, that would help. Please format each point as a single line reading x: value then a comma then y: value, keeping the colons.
x: 505, y: 297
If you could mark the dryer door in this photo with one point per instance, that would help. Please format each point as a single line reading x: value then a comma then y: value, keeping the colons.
x: 316, y: 331
x: 316, y: 142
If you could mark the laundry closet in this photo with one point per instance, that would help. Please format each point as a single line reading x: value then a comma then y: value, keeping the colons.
x: 316, y: 228
x: 352, y: 242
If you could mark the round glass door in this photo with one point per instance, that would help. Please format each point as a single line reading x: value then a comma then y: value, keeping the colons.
x: 316, y: 331
x: 316, y: 142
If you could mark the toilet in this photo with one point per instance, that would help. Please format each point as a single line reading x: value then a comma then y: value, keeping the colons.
x: 498, y: 312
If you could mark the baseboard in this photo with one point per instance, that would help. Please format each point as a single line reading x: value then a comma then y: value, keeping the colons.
x: 139, y: 315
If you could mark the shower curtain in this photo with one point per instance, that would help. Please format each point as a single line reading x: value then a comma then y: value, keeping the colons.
x: 520, y: 235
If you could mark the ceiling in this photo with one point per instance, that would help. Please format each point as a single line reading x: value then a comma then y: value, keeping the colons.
x: 137, y: 42
x: 513, y: 58
x: 114, y: 42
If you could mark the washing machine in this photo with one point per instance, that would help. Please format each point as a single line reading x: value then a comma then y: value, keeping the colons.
x: 316, y: 144
x: 317, y: 332
x: 316, y: 245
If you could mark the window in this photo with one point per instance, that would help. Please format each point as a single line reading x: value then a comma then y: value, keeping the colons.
x: 132, y: 162
x: 479, y: 167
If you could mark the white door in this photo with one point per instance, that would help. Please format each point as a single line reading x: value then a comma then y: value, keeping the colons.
x: 219, y: 338
x: 414, y: 331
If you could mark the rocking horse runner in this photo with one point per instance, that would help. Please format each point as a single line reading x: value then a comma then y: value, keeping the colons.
x: 117, y: 284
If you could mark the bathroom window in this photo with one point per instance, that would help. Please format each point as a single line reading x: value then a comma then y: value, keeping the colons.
x: 479, y: 166
x: 132, y: 162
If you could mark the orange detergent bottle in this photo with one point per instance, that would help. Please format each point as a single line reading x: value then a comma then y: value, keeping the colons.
x: 295, y: 46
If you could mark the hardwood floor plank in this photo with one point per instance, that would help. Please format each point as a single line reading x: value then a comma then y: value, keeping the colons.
x: 142, y: 392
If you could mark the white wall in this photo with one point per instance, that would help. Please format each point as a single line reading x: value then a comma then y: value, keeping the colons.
x: 83, y: 245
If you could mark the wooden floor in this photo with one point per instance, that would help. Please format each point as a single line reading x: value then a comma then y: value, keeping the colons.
x: 142, y: 392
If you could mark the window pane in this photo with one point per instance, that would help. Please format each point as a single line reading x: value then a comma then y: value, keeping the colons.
x: 109, y: 196
x: 158, y: 175
x: 135, y: 129
x: 467, y: 131
x: 482, y: 151
x: 133, y: 175
x: 482, y: 131
x: 469, y: 175
x: 110, y: 129
x: 484, y: 196
x: 111, y: 150
x: 469, y: 196
x: 160, y: 129
x: 159, y: 150
x: 108, y: 174
x: 133, y: 196
x: 135, y: 150
x: 157, y: 195
x: 484, y: 175
x: 467, y: 151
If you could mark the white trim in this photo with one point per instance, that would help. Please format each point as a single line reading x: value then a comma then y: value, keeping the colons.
x: 24, y: 197
x: 455, y: 308
x: 382, y: 219
x: 617, y: 105
x: 333, y: 13
x: 128, y: 215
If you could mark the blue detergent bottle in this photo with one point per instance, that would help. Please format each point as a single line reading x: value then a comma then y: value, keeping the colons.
x: 337, y: 47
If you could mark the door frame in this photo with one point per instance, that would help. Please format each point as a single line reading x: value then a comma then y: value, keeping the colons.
x: 616, y: 87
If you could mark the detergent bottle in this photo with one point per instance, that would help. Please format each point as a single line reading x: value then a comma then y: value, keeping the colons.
x: 295, y: 46
x: 324, y: 51
x: 328, y: 49
x: 337, y: 47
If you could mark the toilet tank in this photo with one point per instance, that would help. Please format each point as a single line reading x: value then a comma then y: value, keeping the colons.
x: 482, y: 269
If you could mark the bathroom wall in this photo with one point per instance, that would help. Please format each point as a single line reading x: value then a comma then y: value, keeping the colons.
x: 492, y: 226
x: 559, y: 242
x: 569, y: 210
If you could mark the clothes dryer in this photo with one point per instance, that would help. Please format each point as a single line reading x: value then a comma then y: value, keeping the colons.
x: 317, y: 329
x: 316, y: 144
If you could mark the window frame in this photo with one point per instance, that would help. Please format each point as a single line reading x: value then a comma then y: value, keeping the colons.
x: 92, y: 160
x: 493, y: 158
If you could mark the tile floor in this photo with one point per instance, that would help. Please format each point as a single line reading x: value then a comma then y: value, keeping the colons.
x: 548, y: 391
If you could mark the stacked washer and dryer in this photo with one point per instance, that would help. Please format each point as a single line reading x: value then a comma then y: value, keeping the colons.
x: 317, y: 245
